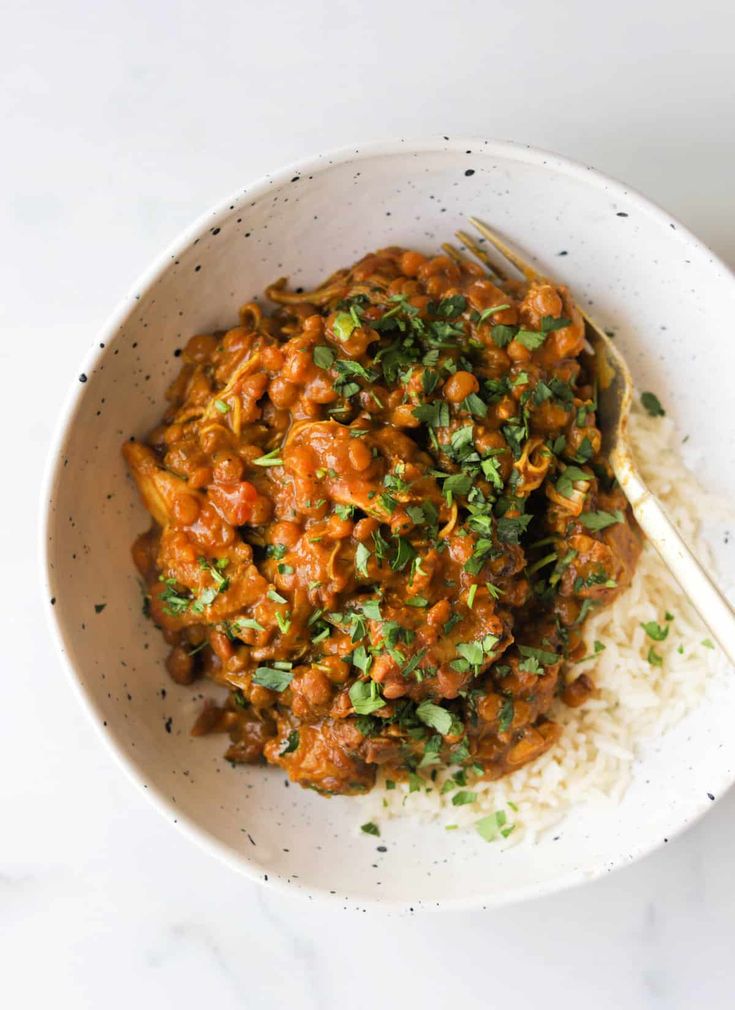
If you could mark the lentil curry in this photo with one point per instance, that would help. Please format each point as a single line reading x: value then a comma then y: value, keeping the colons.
x: 381, y: 517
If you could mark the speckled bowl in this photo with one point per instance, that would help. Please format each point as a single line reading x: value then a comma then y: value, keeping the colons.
x: 668, y: 299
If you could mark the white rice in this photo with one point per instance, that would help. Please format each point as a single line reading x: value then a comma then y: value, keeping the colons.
x: 635, y: 700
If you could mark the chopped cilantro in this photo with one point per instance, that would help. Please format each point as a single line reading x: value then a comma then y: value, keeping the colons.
x: 474, y: 405
x: 456, y: 484
x: 291, y: 743
x: 435, y: 414
x: 549, y: 323
x: 652, y: 404
x: 541, y: 392
x: 272, y: 678
x: 544, y: 657
x: 530, y: 339
x: 486, y: 313
x: 655, y: 631
x: 417, y: 601
x: 565, y: 482
x: 600, y: 520
x: 413, y: 663
x: 365, y: 697
x: 283, y: 621
x: 362, y: 556
x: 463, y: 797
x: 471, y: 651
x: 404, y: 553
x: 488, y: 828
x: 512, y: 528
x: 247, y: 623
x: 361, y: 659
x: 174, y: 603
x: 322, y: 356
x: 585, y: 452
x: 502, y: 335
x: 434, y: 716
x: 343, y: 325
x: 505, y: 717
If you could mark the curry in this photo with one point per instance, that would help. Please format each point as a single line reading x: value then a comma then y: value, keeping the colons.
x: 381, y: 516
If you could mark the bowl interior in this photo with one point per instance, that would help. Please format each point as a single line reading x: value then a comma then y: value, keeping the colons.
x: 669, y: 303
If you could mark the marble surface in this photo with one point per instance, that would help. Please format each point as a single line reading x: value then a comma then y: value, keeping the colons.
x: 121, y: 122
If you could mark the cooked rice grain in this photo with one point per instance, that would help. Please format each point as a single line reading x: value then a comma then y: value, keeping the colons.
x: 635, y: 700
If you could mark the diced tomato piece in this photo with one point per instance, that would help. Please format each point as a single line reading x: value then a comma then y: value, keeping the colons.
x: 233, y: 501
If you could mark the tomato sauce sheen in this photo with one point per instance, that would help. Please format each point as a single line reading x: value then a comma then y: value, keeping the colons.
x: 381, y: 517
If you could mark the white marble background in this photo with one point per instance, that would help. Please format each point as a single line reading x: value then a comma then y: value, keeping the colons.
x: 123, y: 119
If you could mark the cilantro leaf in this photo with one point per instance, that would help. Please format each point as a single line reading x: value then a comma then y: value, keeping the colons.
x: 544, y: 656
x: 655, y: 631
x: 473, y: 652
x: 292, y: 743
x: 652, y: 404
x: 365, y: 697
x: 362, y: 556
x: 463, y: 797
x: 274, y: 680
x: 457, y: 484
x: 371, y: 609
x: 434, y: 716
x: 404, y: 554
x: 530, y: 339
x: 601, y: 520
x: 505, y: 717
x: 567, y: 478
x: 247, y: 622
x: 549, y: 323
x: 474, y: 405
x: 174, y: 602
x: 512, y: 528
x: 323, y: 357
x: 435, y: 414
x: 502, y: 335
x: 450, y: 308
x: 413, y: 663
x: 343, y: 325
x: 488, y: 828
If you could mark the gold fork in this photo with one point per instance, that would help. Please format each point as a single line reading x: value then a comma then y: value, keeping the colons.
x: 615, y: 394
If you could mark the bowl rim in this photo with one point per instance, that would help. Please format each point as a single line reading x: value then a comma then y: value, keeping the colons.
x: 312, y: 165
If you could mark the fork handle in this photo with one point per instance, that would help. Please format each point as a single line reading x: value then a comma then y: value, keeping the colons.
x: 695, y: 583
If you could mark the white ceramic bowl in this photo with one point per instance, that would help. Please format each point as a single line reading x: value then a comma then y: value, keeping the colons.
x: 670, y: 302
